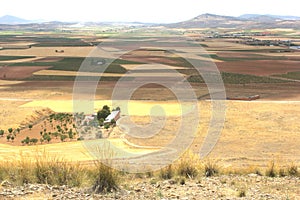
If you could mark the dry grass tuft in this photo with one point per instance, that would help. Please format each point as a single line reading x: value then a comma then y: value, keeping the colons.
x: 107, y: 179
x: 167, y: 172
x: 188, y: 165
x: 211, y: 168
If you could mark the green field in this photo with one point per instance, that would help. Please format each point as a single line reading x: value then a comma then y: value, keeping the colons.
x: 74, y: 63
x: 6, y: 58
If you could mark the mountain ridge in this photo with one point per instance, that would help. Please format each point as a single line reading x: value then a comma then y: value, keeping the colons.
x: 9, y: 19
x: 206, y: 20
x: 246, y: 21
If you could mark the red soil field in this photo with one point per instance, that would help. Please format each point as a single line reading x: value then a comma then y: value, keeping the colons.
x: 259, y: 67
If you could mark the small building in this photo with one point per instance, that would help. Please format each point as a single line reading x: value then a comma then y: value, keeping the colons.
x: 114, y: 115
x: 87, y: 119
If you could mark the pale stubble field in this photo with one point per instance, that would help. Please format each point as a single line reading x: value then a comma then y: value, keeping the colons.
x: 253, y: 134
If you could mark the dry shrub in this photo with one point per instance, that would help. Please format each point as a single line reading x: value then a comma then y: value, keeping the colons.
x: 43, y: 169
x: 107, y: 179
x: 57, y: 171
x: 167, y: 172
x: 271, y: 169
x: 188, y: 165
x: 211, y: 168
x: 293, y: 170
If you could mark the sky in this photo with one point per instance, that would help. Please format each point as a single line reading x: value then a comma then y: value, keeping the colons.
x: 158, y: 11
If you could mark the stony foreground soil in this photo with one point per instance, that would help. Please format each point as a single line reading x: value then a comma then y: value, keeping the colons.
x: 221, y: 187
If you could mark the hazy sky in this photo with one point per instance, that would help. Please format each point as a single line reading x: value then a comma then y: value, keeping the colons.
x: 141, y: 10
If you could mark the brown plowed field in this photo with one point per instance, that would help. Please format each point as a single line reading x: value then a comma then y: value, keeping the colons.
x: 20, y: 72
x: 259, y: 67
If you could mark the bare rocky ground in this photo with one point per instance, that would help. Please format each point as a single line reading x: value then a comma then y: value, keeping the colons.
x: 224, y: 187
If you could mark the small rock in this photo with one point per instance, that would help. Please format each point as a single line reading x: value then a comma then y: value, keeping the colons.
x: 6, y: 183
x: 252, y: 175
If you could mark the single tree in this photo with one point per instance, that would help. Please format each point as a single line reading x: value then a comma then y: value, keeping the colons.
x: 55, y: 134
x: 106, y: 107
x: 113, y: 122
x: 63, y: 137
x: 33, y: 140
x: 27, y: 140
x: 10, y: 130
x: 70, y: 133
x: 30, y: 126
x: 48, y: 138
x: 106, y: 126
x: 101, y: 122
x: 102, y: 114
x: 8, y: 137
x: 1, y: 133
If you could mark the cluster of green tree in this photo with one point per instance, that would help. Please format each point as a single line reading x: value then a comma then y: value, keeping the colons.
x: 103, y: 114
x: 12, y: 133
x: 27, y: 140
x: 60, y: 124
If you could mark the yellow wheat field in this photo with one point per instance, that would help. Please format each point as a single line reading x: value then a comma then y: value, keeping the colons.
x: 137, y: 108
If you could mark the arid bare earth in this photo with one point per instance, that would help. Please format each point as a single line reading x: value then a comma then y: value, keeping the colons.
x: 220, y: 187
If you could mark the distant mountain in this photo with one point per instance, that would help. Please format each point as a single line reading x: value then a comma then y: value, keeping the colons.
x: 8, y: 19
x: 208, y: 21
x: 282, y: 17
x: 243, y: 22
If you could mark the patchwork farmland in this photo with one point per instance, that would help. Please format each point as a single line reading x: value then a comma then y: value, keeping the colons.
x: 39, y: 74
